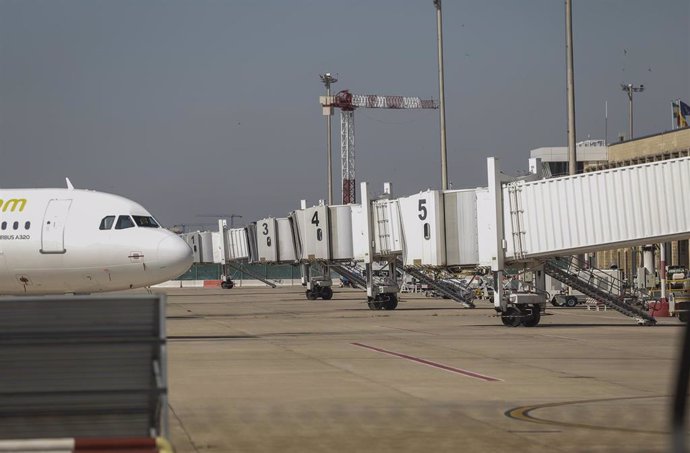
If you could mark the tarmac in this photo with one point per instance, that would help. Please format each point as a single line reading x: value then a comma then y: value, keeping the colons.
x: 265, y: 370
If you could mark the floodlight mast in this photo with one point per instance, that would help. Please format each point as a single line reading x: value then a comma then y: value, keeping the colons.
x: 630, y: 89
x: 570, y: 88
x: 327, y: 79
x: 441, y: 95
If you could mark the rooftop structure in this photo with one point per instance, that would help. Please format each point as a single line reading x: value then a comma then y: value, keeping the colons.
x: 555, y: 158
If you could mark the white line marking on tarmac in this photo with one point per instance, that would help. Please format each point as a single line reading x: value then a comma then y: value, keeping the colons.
x: 441, y: 366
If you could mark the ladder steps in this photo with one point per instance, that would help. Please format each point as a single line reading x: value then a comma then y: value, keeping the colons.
x: 350, y: 273
x: 457, y: 292
x: 610, y: 300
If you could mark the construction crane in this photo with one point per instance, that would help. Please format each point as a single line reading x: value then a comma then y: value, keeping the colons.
x: 347, y: 103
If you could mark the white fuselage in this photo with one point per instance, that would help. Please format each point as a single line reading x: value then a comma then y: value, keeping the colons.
x: 55, y: 241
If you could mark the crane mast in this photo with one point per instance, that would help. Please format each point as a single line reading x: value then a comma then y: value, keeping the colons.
x: 347, y: 103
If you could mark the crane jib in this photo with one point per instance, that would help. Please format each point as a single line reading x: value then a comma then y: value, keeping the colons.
x: 347, y: 101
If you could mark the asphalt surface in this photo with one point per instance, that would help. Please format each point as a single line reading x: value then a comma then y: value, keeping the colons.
x: 264, y: 370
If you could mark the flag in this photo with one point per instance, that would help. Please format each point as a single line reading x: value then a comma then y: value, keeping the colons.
x: 684, y: 108
x: 680, y: 111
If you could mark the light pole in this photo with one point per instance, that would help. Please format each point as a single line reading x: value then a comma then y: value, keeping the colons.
x: 570, y: 82
x: 232, y: 219
x: 630, y: 89
x: 441, y: 96
x: 327, y: 80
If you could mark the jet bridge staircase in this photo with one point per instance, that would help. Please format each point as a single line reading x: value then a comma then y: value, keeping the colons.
x: 228, y: 282
x: 608, y: 290
x: 456, y: 291
x: 352, y: 273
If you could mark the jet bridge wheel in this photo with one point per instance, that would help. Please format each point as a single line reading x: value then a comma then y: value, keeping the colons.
x: 326, y: 293
x: 311, y: 295
x: 531, y: 316
x: 512, y: 317
x: 375, y: 305
x: 391, y: 303
x: 380, y: 302
x: 227, y: 284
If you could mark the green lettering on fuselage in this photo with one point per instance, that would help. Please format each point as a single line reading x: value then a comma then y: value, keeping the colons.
x: 13, y: 204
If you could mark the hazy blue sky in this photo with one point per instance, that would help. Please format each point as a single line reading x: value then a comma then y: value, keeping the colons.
x: 204, y: 107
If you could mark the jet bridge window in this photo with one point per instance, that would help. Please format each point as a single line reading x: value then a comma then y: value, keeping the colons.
x: 145, y: 221
x: 107, y: 222
x: 124, y: 221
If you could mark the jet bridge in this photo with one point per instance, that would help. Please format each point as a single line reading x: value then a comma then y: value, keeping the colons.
x: 275, y: 242
x: 615, y: 208
x: 532, y: 220
x: 525, y: 222
x: 515, y: 221
x: 410, y: 233
x: 323, y: 235
x: 234, y: 246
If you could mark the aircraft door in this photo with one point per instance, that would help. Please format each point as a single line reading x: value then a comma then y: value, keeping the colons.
x: 54, y: 220
x: 6, y: 279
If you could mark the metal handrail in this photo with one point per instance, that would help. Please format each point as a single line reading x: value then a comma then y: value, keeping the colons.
x: 610, y: 283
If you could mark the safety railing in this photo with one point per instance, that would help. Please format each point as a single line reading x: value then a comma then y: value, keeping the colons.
x: 591, y: 276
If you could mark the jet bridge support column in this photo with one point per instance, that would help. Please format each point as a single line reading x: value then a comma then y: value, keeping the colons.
x: 318, y: 285
x: 515, y: 307
x: 661, y: 307
x: 304, y: 271
x: 648, y: 258
x: 380, y: 295
x: 496, y: 227
x: 540, y: 280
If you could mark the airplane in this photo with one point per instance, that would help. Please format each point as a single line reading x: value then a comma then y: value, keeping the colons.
x: 60, y: 241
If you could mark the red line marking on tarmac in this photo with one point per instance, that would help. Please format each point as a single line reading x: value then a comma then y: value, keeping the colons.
x: 441, y: 366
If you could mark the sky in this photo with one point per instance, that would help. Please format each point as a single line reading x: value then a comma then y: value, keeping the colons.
x: 203, y: 108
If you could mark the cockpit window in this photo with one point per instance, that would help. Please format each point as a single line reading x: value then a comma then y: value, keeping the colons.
x: 107, y: 222
x: 145, y: 221
x: 124, y: 221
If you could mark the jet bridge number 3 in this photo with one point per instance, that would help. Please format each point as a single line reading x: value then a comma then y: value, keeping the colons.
x: 265, y: 233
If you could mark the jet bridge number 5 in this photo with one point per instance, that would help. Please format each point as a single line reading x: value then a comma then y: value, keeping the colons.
x: 423, y: 213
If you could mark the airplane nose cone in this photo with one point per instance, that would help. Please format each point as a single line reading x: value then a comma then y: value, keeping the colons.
x: 174, y: 255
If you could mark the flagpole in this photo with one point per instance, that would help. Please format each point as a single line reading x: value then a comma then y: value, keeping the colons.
x: 606, y: 122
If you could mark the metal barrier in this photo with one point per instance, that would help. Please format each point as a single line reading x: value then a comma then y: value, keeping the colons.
x: 83, y: 366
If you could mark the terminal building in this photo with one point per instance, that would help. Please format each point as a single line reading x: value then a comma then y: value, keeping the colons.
x: 555, y: 158
x: 593, y: 155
